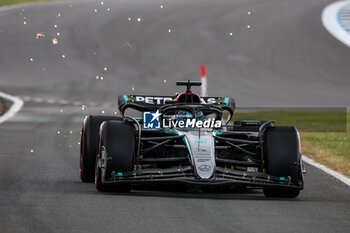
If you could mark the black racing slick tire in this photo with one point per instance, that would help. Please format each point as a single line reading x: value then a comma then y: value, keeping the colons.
x: 282, y: 158
x: 116, y: 155
x: 89, y: 145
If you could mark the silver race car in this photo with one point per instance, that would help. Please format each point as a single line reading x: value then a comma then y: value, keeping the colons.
x: 188, y: 140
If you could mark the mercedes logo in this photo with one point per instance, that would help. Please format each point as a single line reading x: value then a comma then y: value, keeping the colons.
x: 204, y: 168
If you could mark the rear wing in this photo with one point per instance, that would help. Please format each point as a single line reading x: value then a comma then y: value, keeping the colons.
x: 154, y: 102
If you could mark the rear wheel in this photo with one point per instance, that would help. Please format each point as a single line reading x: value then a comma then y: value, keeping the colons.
x: 116, y: 154
x: 89, y: 145
x: 282, y: 158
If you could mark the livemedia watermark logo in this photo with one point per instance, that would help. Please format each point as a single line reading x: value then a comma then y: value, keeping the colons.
x: 152, y: 120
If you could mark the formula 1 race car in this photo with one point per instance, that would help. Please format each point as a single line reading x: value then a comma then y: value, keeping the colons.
x: 188, y: 140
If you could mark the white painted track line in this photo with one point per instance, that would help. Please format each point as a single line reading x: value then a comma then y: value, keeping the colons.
x: 15, y: 107
x: 335, y: 174
x: 333, y: 22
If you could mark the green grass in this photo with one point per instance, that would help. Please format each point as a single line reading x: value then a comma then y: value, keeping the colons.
x: 331, y: 149
x: 305, y: 120
x: 11, y: 2
x: 325, y: 136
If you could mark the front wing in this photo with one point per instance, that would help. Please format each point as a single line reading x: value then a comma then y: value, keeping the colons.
x: 185, y: 175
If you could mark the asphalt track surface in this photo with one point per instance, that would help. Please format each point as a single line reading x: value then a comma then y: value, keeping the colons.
x: 286, y: 58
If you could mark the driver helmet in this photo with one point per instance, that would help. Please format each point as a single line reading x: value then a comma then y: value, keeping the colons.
x: 184, y: 115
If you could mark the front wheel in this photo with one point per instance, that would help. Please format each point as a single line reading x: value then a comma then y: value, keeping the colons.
x: 116, y: 155
x: 89, y: 145
x: 282, y: 159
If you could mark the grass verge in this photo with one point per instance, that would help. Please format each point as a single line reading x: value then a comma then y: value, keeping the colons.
x: 330, y: 149
x: 324, y: 137
x: 11, y: 2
